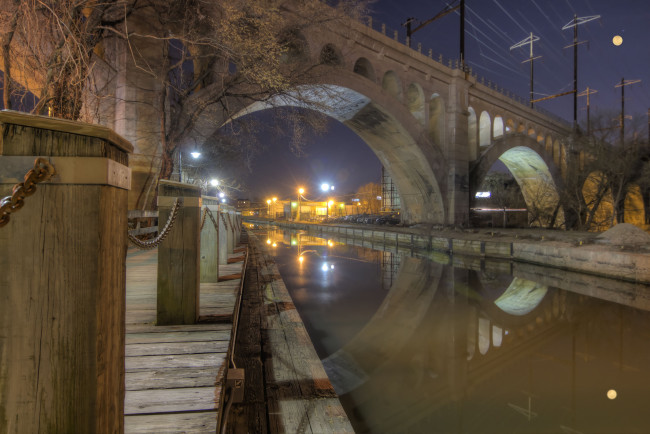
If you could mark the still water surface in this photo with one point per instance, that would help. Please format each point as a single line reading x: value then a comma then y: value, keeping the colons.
x: 413, y: 344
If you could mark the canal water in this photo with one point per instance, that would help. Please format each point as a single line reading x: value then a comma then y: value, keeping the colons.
x: 418, y: 342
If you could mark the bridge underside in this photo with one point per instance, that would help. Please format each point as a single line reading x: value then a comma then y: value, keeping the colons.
x: 397, y: 149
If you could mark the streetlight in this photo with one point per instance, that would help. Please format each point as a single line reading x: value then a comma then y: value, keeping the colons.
x: 300, y: 192
x: 214, y: 182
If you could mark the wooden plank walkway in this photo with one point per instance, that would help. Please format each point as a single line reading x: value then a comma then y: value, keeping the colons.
x: 174, y: 374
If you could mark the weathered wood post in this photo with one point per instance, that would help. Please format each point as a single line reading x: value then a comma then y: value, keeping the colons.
x: 210, y: 241
x: 227, y: 213
x: 178, y: 255
x: 62, y: 284
x: 223, y: 236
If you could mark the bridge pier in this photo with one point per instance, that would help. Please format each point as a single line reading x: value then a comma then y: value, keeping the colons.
x: 456, y: 149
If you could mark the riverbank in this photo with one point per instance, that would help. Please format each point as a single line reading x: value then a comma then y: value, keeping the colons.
x: 286, y: 387
x: 584, y: 252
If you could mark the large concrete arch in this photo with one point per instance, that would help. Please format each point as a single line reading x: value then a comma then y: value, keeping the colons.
x: 527, y: 160
x: 416, y: 165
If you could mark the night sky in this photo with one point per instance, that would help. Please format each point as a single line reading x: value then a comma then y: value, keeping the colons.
x: 492, y: 27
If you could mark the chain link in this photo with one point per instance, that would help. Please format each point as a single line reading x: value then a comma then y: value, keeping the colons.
x: 151, y: 244
x: 42, y: 171
x: 205, y: 212
x: 214, y: 222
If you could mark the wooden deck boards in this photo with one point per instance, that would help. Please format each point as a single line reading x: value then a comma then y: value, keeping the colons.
x: 174, y: 373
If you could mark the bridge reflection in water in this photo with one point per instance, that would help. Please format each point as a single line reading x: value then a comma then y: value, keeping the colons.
x: 420, y: 342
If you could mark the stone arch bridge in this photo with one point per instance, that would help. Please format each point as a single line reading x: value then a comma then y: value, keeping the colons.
x: 435, y: 127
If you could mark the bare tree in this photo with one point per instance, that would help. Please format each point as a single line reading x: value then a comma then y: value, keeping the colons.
x: 210, y: 60
x: 369, y: 196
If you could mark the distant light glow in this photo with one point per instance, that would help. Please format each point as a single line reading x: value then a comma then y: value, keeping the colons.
x: 195, y: 154
x: 483, y: 194
x: 324, y: 186
x: 617, y: 40
x: 301, y: 190
x: 223, y: 200
x: 611, y: 394
x: 274, y: 199
x: 332, y: 267
x: 268, y: 241
x: 222, y: 194
x: 330, y: 203
x: 268, y: 201
x: 214, y: 182
x: 355, y: 200
x: 301, y: 259
x: 378, y: 197
x: 275, y: 245
x: 324, y: 267
x: 332, y: 187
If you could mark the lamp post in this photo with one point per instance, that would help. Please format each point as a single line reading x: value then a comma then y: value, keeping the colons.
x: 300, y: 192
x: 268, y: 212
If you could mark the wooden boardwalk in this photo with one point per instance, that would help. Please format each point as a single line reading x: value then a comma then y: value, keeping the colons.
x: 174, y: 374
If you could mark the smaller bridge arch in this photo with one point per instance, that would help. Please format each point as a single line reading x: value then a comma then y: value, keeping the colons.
x: 531, y: 167
x: 392, y: 85
x: 485, y: 129
x: 364, y: 68
x: 498, y: 128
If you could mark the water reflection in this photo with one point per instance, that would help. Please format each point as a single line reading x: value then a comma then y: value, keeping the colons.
x: 434, y: 344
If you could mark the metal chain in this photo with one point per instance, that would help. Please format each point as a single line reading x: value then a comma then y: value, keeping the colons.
x: 42, y: 171
x: 214, y: 222
x: 150, y: 244
x: 205, y: 211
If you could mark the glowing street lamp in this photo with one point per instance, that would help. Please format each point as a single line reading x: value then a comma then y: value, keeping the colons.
x: 214, y: 182
x: 195, y: 154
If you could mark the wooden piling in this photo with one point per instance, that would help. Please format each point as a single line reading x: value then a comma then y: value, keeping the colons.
x: 210, y: 242
x: 178, y: 255
x: 62, y: 284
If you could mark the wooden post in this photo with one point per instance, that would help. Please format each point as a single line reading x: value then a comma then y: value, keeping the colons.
x: 223, y: 236
x: 62, y: 284
x: 178, y: 255
x: 210, y: 242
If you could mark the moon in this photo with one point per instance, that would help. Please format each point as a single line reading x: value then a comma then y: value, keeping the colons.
x: 617, y: 40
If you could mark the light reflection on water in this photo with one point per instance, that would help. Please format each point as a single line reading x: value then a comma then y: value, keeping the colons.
x: 416, y: 345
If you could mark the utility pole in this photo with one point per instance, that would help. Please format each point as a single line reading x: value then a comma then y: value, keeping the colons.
x: 447, y: 10
x: 622, y: 85
x: 462, y: 34
x: 586, y: 93
x: 575, y: 22
x: 529, y: 40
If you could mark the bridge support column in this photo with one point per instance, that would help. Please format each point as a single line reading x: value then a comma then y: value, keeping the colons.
x: 178, y: 255
x: 210, y: 242
x: 456, y: 150
x: 62, y: 279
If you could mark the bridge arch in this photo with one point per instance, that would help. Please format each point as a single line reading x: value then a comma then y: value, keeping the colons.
x: 364, y: 68
x: 392, y: 85
x: 416, y: 165
x: 436, y: 119
x: 634, y: 208
x: 415, y: 102
x: 537, y: 176
x: 498, y: 129
x: 331, y: 55
x: 472, y: 134
x: 485, y: 129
